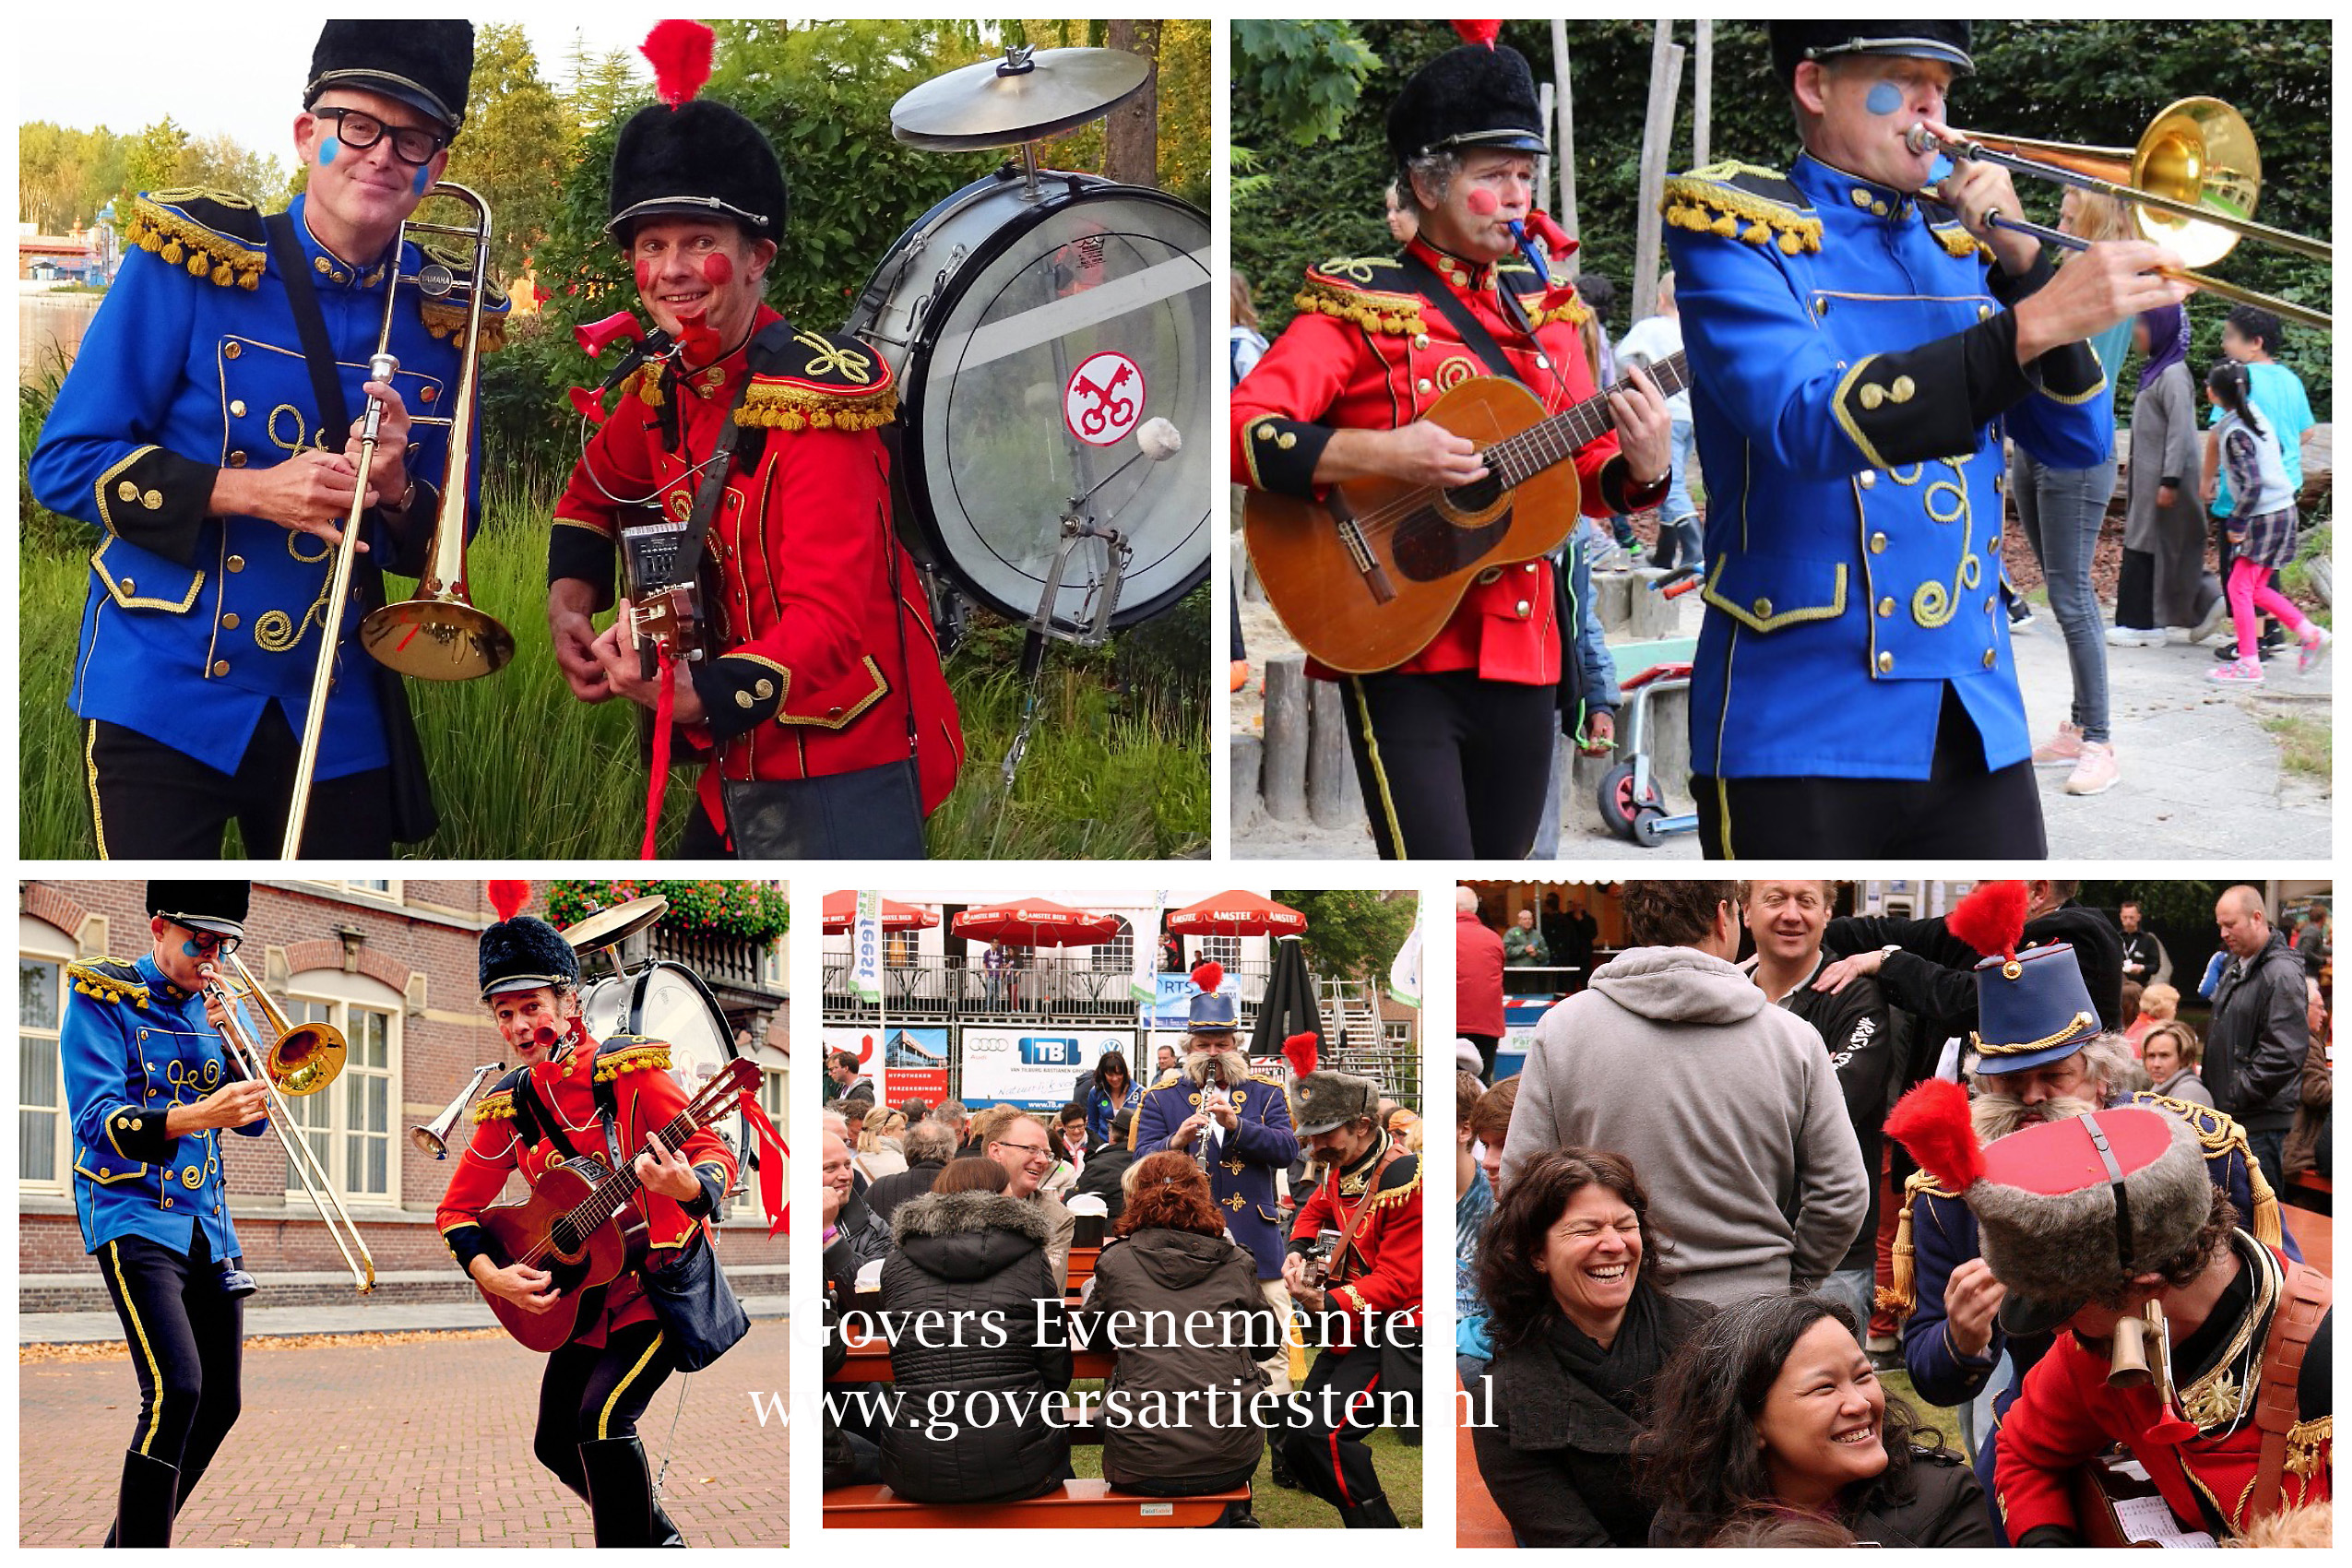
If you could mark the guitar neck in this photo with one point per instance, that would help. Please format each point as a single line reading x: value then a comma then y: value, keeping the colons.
x: 1517, y: 458
x: 617, y: 1189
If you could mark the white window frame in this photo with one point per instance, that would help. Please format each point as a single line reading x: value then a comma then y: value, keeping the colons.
x: 1116, y: 956
x: 392, y: 893
x: 43, y: 943
x: 339, y: 993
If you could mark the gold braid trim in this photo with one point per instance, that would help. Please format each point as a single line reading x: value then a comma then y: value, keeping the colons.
x: 647, y: 384
x: 1398, y: 315
x: 91, y: 981
x: 1988, y: 1047
x: 637, y: 1059
x: 1701, y: 203
x: 184, y: 241
x: 1576, y: 313
x: 2307, y: 1445
x: 1391, y: 1197
x: 771, y: 406
x: 443, y: 319
x: 497, y: 1107
x: 1958, y: 242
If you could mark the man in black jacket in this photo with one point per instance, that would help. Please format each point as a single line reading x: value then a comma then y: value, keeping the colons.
x: 2260, y: 1034
x: 1923, y: 969
x: 853, y: 1237
x: 929, y: 1146
x: 2144, y: 958
x: 849, y: 1083
x: 1786, y: 918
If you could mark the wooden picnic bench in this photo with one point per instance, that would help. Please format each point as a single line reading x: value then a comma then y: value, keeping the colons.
x: 1077, y: 1506
x: 870, y: 1362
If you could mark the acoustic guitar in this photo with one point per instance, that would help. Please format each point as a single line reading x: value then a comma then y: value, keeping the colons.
x: 581, y: 1223
x: 1368, y: 578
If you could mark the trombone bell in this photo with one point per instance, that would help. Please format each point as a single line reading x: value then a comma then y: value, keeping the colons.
x: 306, y: 1059
x: 433, y: 1137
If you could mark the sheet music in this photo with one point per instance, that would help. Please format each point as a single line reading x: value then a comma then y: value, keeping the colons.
x: 2148, y: 1519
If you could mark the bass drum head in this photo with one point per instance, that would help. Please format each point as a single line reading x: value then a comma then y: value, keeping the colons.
x: 668, y: 1002
x: 1039, y: 352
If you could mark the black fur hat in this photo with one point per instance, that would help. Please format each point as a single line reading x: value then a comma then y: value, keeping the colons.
x: 1793, y: 43
x: 427, y: 65
x: 1474, y: 96
x: 701, y: 160
x: 217, y: 907
x: 523, y: 952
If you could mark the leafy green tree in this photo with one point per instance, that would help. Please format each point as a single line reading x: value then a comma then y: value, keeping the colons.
x: 1307, y: 75
x: 220, y: 163
x: 152, y: 161
x: 516, y: 148
x: 1352, y: 933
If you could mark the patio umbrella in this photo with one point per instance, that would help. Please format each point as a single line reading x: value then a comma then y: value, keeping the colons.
x: 1035, y: 922
x: 841, y: 913
x: 1290, y: 1006
x: 1236, y: 914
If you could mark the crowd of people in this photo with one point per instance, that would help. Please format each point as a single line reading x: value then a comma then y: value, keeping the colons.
x: 1242, y: 1245
x: 1723, y: 1196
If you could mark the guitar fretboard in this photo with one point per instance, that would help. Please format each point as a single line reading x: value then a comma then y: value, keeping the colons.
x: 618, y: 1188
x: 1517, y: 458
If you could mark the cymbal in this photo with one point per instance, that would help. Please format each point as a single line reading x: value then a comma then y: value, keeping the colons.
x: 610, y: 928
x: 1028, y: 95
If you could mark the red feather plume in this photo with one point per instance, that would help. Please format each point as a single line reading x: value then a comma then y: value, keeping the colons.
x: 681, y: 54
x: 1479, y: 32
x: 1299, y: 1052
x: 1991, y: 919
x: 1208, y: 974
x: 1931, y: 1121
x: 508, y: 898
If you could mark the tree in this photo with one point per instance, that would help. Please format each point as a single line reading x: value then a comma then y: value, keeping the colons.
x: 220, y: 163
x: 1353, y: 934
x: 152, y: 161
x: 600, y: 86
x: 1131, y: 133
x: 516, y: 148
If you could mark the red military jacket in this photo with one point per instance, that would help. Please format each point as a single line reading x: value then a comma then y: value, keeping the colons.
x: 1380, y: 1273
x: 1366, y: 352
x: 812, y: 682
x: 646, y: 1098
x: 2066, y: 1414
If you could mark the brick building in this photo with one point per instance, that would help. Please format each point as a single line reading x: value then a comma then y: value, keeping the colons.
x: 392, y: 965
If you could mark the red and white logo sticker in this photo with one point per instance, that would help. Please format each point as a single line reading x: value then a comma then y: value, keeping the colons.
x: 1104, y: 401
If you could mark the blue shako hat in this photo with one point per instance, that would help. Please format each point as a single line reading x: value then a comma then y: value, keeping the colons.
x: 2031, y: 1010
x: 1212, y: 1014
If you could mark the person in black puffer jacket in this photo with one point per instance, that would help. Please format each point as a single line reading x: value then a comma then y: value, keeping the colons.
x: 971, y: 1425
x: 1107, y: 1166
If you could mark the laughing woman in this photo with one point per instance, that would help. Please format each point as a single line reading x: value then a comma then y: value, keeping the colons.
x: 1772, y: 1407
x: 1569, y: 1268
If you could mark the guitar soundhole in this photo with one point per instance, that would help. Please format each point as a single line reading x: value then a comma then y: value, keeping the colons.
x: 1427, y: 546
x: 1470, y: 499
x: 564, y: 1238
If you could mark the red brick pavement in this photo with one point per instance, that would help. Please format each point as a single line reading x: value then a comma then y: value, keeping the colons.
x: 421, y: 1443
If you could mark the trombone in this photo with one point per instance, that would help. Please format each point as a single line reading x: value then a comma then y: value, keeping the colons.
x: 302, y: 1059
x: 437, y: 635
x: 2192, y: 182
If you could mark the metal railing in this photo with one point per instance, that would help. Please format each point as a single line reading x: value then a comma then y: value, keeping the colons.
x: 724, y: 962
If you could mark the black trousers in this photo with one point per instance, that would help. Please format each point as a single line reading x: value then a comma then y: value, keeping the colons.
x: 592, y: 1392
x: 151, y: 801
x: 1961, y: 811
x: 1453, y: 767
x: 1329, y: 1457
x: 700, y: 841
x: 187, y: 1339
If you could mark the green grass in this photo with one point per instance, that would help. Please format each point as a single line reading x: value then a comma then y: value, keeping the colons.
x: 2305, y: 745
x: 521, y: 769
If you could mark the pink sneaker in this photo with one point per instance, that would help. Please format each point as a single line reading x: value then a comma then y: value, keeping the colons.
x: 2314, y: 649
x: 2236, y: 672
x: 2095, y: 773
x: 2063, y: 750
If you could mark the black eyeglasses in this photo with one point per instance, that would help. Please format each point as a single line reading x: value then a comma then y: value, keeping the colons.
x: 210, y: 941
x: 359, y: 131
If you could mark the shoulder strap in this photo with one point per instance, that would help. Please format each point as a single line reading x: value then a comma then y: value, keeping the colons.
x: 2303, y: 1302
x: 1355, y: 1225
x: 318, y: 354
x: 532, y: 1121
x: 1449, y: 304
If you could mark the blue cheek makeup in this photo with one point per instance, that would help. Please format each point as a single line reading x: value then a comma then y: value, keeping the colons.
x: 421, y: 184
x: 1884, y: 98
x: 191, y: 949
x: 329, y: 150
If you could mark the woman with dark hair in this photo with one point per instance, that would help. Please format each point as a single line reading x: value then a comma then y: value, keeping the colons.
x: 1180, y: 1306
x: 1569, y: 1268
x: 1105, y: 1092
x: 1772, y: 1405
x: 971, y: 1265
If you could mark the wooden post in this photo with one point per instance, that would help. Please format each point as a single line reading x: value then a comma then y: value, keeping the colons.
x: 1657, y: 136
x: 1703, y: 98
x: 1284, y: 784
x: 1565, y: 146
x: 1335, y: 798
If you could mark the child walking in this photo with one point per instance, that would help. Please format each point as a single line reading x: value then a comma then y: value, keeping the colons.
x: 2262, y: 529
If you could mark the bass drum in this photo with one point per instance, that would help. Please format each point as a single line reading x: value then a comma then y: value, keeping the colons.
x: 668, y: 1002
x: 1032, y: 333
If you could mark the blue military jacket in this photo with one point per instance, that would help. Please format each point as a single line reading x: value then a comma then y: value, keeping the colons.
x: 1242, y: 1176
x: 1853, y: 367
x: 1937, y: 1234
x: 134, y: 1046
x: 194, y: 623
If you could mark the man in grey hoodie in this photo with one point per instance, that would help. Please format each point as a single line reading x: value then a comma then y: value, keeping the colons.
x: 1727, y: 1105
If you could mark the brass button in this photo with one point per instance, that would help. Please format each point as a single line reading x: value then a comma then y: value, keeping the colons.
x: 230, y: 621
x: 742, y: 699
x: 237, y: 407
x: 1989, y: 658
x: 1532, y: 566
x: 1420, y: 339
x: 1862, y: 198
x: 1264, y: 432
x: 1422, y: 384
x: 1886, y: 664
x: 167, y: 1203
x: 135, y: 1123
x: 1873, y: 395
x: 1886, y: 607
x: 236, y: 563
x: 428, y: 394
x: 1763, y: 609
x: 1820, y: 307
x: 1984, y: 313
x: 1878, y: 544
x: 127, y: 491
x: 236, y: 459
x: 1520, y: 609
x: 1901, y: 388
x: 320, y: 263
x: 765, y: 688
x: 1287, y: 440
x: 1542, y: 362
x: 1869, y: 479
x: 129, y: 587
x: 232, y: 351
x: 152, y: 501
x: 220, y: 667
x: 1878, y: 207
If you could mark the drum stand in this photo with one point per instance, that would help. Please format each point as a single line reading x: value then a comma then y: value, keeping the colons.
x: 1092, y: 630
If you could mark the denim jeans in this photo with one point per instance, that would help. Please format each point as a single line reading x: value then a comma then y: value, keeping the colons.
x: 2060, y: 509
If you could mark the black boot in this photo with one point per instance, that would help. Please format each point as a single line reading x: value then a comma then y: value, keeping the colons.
x: 1376, y: 1514
x: 620, y: 1492
x: 1279, y: 1471
x: 149, y: 1497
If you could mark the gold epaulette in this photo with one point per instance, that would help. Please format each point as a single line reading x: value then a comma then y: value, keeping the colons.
x: 1347, y: 288
x: 1956, y: 241
x: 1173, y: 1075
x: 822, y: 381
x: 1271, y: 1080
x: 647, y: 384
x: 107, y: 979
x: 632, y: 1058
x: 498, y: 1106
x: 1902, y: 1297
x: 2307, y: 1446
x: 215, y: 235
x: 1742, y: 202
x: 1393, y: 1197
x: 1525, y: 281
x: 2219, y: 1135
